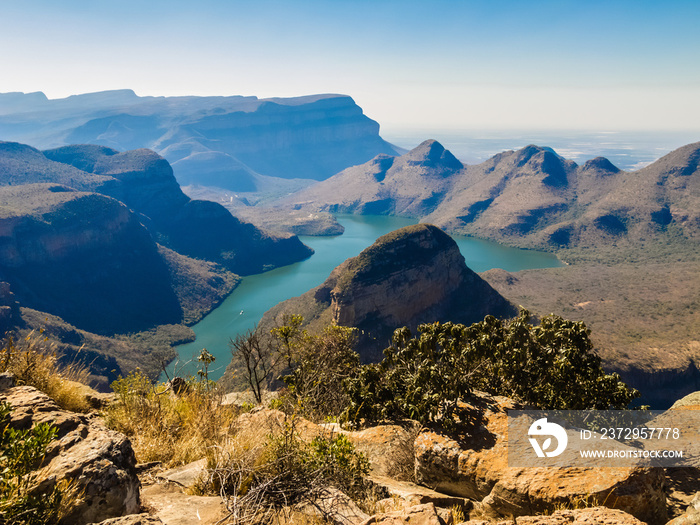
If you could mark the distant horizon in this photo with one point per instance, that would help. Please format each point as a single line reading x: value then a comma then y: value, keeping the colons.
x: 408, y: 127
x: 628, y: 149
x: 547, y: 64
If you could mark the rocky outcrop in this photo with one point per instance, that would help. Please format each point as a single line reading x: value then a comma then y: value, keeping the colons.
x: 99, y: 463
x: 587, y: 516
x: 410, y: 276
x: 475, y: 465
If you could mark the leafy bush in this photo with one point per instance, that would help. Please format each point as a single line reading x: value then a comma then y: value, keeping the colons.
x: 21, y: 453
x: 317, y: 368
x: 550, y: 366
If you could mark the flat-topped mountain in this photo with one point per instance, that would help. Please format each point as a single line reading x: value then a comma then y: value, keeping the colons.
x: 144, y: 181
x: 215, y: 141
x: 530, y: 197
x: 88, y: 259
x: 410, y: 276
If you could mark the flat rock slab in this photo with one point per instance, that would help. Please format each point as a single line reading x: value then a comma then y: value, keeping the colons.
x: 133, y: 519
x: 186, y: 475
x: 425, y: 514
x: 172, y: 506
x: 334, y: 507
x: 589, y: 516
x: 413, y: 494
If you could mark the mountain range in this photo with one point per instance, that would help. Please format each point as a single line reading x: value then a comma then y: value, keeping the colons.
x: 236, y: 143
x: 144, y: 181
x: 531, y: 197
x: 95, y: 244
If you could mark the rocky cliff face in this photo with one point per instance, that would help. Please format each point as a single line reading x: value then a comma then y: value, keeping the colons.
x: 144, y: 181
x: 314, y: 139
x: 411, y: 276
x: 219, y: 141
x: 84, y: 257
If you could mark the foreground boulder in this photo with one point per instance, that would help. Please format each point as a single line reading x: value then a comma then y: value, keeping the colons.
x: 99, y: 462
x: 425, y: 514
x: 589, y: 516
x: 474, y: 465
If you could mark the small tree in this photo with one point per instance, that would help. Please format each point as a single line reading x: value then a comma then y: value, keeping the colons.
x: 312, y: 366
x: 319, y: 365
x: 259, y: 359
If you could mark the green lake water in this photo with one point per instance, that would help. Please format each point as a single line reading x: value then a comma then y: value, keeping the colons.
x: 256, y: 294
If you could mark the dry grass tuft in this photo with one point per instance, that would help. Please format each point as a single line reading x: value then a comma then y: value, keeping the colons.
x: 162, y: 426
x: 33, y: 361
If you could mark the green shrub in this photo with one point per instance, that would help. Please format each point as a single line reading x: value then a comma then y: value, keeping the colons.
x: 313, y: 367
x: 21, y: 453
x: 550, y: 366
x: 318, y: 367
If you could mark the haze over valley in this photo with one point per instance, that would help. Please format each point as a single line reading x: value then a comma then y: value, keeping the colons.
x: 287, y: 175
x: 322, y: 262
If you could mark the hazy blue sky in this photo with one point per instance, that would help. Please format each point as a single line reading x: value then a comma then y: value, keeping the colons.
x: 589, y: 64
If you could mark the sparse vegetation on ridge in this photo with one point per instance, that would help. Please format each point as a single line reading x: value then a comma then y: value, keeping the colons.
x: 261, y: 482
x: 172, y: 429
